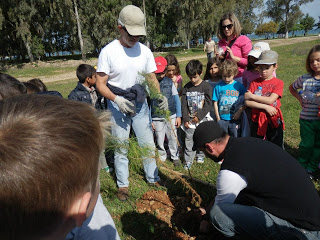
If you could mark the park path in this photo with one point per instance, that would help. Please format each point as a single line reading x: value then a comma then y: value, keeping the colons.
x: 67, y: 76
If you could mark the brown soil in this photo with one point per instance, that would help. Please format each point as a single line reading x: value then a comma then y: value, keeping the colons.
x: 71, y: 75
x: 176, y: 218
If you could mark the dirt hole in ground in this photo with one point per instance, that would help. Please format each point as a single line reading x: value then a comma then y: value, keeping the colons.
x: 178, y: 219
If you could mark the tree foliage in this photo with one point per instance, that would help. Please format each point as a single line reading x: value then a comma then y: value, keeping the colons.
x: 286, y: 11
x: 307, y: 23
x: 36, y: 28
x: 267, y: 29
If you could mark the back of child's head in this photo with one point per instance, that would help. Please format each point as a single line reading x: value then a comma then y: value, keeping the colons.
x: 172, y: 60
x: 229, y: 67
x: 308, y: 62
x: 31, y: 88
x: 211, y: 62
x: 10, y: 86
x: 85, y: 71
x: 37, y: 82
x: 193, y: 68
x: 49, y: 157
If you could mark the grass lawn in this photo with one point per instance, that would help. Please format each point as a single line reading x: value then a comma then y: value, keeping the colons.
x: 133, y: 225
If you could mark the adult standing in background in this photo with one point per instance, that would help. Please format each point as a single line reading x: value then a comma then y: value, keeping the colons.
x: 210, y: 48
x: 234, y: 45
x: 119, y: 79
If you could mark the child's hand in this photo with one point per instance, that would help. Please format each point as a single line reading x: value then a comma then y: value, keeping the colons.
x: 248, y: 95
x: 237, y: 115
x: 178, y: 122
x: 186, y: 124
x: 153, y: 128
x: 318, y: 94
x: 195, y: 119
x: 271, y: 110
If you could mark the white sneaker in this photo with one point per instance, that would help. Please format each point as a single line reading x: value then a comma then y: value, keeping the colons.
x: 108, y: 169
x: 187, y: 165
x: 200, y: 160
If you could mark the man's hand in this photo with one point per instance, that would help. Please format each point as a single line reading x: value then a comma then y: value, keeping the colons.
x: 163, y: 103
x: 125, y: 105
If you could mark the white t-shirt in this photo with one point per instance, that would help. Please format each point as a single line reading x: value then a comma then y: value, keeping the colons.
x: 229, y: 185
x: 123, y: 65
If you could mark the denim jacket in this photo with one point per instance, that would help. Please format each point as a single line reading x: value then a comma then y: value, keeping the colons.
x: 80, y: 93
x: 166, y: 90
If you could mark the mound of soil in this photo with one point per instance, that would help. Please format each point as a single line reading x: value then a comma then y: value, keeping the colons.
x: 178, y: 219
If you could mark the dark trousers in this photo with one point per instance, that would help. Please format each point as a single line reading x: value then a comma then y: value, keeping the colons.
x: 274, y: 135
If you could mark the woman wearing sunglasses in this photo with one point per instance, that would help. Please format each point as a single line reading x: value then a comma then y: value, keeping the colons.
x: 234, y: 45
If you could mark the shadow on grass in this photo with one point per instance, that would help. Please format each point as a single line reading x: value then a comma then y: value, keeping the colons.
x: 291, y: 150
x: 146, y: 226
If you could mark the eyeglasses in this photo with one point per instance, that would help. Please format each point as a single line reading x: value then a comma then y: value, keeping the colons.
x: 131, y: 36
x: 229, y: 26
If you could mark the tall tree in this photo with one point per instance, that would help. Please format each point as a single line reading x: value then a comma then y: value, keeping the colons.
x: 287, y: 11
x: 79, y: 30
x: 307, y: 23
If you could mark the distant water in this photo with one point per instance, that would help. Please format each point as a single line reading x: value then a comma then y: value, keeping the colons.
x: 254, y: 36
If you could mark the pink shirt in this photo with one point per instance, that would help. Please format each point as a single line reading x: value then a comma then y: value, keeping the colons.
x: 240, y: 48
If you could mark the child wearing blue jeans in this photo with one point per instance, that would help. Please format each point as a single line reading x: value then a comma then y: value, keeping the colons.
x: 309, y: 148
x: 162, y: 126
x: 226, y: 96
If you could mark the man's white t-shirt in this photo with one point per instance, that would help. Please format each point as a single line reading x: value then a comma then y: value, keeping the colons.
x: 125, y: 66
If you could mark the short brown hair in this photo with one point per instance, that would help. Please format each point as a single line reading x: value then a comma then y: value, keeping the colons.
x: 229, y: 67
x: 10, y: 86
x: 49, y: 155
x: 236, y: 25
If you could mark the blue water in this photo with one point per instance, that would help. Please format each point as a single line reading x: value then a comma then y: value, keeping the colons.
x: 254, y: 36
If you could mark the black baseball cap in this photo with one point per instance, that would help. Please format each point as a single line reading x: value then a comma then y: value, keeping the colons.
x: 206, y: 132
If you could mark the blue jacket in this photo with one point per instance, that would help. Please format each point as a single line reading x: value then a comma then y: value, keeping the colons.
x: 80, y: 93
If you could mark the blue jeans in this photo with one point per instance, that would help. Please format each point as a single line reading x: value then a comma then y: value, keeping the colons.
x: 121, y: 124
x: 247, y: 222
x: 231, y: 127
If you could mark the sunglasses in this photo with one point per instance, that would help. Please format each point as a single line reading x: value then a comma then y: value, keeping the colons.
x: 229, y: 26
x: 131, y: 36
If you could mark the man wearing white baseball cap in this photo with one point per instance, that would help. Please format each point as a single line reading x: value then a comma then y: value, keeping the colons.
x: 121, y: 68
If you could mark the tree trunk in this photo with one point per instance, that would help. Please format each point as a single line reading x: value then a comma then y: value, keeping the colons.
x: 27, y: 45
x: 79, y: 30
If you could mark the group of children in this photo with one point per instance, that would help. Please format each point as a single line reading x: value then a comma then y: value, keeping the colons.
x: 247, y: 108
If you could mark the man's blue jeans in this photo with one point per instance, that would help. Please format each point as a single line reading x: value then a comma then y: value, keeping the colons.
x: 121, y: 124
x: 247, y: 222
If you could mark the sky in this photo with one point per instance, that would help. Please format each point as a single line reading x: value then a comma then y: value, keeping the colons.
x: 312, y: 8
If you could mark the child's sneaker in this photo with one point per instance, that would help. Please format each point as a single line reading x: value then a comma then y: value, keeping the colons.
x: 187, y: 165
x: 108, y: 169
x: 200, y: 159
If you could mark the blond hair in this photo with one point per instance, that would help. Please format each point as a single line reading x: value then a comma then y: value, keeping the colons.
x: 229, y: 67
x: 49, y: 150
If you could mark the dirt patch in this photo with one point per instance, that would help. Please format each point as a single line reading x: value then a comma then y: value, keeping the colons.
x: 176, y: 217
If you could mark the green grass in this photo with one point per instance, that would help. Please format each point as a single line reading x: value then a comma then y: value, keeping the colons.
x: 38, y: 71
x: 133, y: 225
